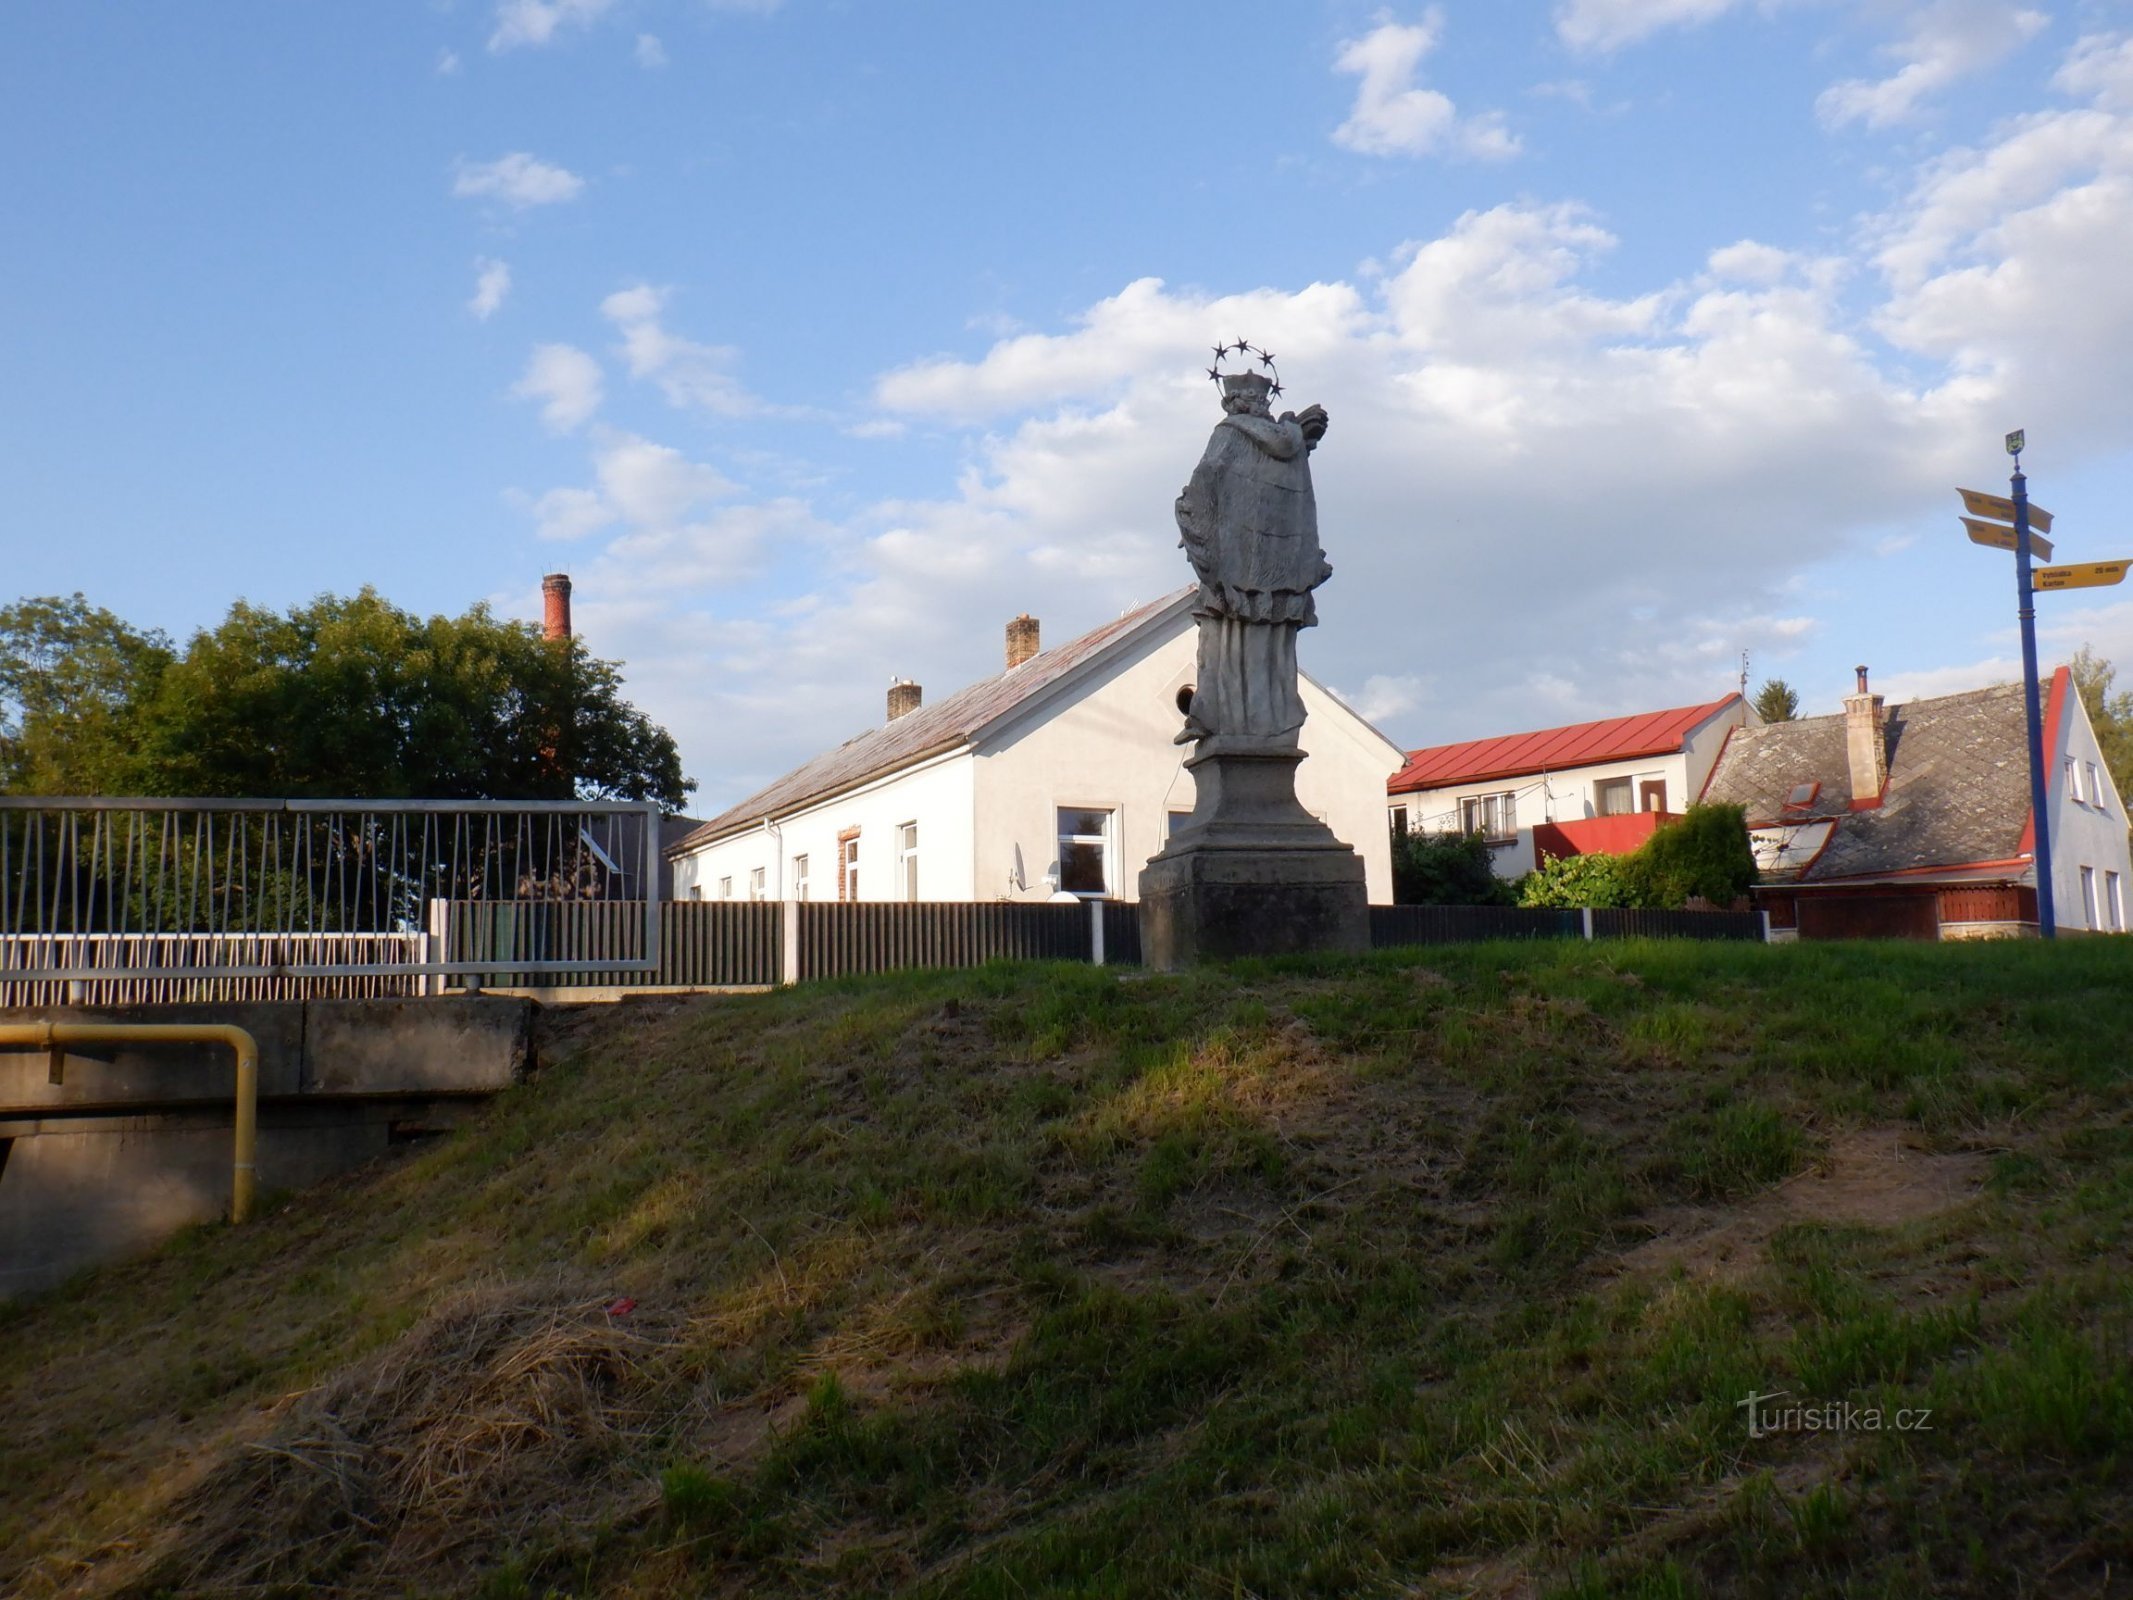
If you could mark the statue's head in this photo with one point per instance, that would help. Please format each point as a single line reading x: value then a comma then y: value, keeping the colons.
x: 1246, y: 392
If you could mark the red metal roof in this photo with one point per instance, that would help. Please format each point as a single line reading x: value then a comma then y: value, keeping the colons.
x: 1582, y: 744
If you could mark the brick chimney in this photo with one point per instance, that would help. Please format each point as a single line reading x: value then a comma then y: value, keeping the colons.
x: 1866, y: 745
x: 904, y: 696
x: 555, y: 606
x: 1021, y: 640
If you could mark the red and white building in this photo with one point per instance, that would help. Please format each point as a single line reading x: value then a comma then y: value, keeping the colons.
x: 1589, y: 787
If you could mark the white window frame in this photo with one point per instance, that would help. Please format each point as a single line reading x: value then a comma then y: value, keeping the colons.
x: 2073, y: 780
x: 799, y: 876
x: 848, y: 859
x: 1494, y: 816
x: 2088, y: 897
x: 1628, y: 787
x: 756, y: 885
x: 907, y: 858
x: 725, y: 887
x: 2095, y: 786
x: 2114, y: 900
x: 1107, y: 842
x: 696, y: 891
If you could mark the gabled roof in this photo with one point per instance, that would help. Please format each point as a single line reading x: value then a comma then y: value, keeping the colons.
x: 1582, y: 744
x: 960, y: 720
x: 1957, y: 793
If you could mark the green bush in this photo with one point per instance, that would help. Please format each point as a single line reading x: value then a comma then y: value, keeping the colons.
x: 1445, y: 869
x: 1590, y: 880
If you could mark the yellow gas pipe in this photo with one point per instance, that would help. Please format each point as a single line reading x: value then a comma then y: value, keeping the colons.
x: 53, y: 1037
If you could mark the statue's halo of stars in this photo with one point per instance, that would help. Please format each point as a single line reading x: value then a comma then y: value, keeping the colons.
x: 1249, y: 354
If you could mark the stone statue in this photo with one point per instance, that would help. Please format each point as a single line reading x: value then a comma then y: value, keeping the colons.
x: 1250, y: 871
x: 1249, y: 523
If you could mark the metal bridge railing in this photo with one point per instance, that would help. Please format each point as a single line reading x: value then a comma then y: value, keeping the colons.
x: 316, y: 890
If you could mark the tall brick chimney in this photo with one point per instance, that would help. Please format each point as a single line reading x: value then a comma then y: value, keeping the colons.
x: 1865, y: 744
x: 904, y: 696
x: 1021, y: 640
x: 555, y: 606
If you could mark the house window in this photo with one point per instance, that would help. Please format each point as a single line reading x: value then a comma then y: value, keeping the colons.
x: 696, y: 891
x: 1399, y: 819
x: 755, y: 882
x: 1084, y: 851
x: 1493, y: 816
x: 907, y: 859
x: 1612, y: 798
x: 1172, y: 822
x: 2073, y: 781
x: 2088, y: 896
x: 2114, y: 902
x: 799, y: 877
x: 2095, y: 785
x: 1651, y: 795
x: 848, y: 864
x: 725, y: 888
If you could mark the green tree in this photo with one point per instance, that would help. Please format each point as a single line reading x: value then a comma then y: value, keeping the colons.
x: 1445, y: 869
x: 354, y: 698
x: 2111, y: 714
x: 1703, y: 855
x: 75, y: 684
x: 1775, y: 701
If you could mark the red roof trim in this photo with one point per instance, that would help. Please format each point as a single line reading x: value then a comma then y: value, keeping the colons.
x: 2055, y: 705
x: 1579, y: 744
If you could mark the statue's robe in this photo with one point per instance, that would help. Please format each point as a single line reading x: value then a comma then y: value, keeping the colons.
x: 1249, y: 523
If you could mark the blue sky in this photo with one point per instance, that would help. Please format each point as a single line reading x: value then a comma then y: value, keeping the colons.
x: 816, y: 340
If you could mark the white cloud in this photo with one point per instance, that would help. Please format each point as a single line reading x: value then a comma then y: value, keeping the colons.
x: 566, y: 381
x: 2100, y: 68
x: 688, y: 373
x: 1947, y: 40
x: 492, y: 282
x: 447, y: 63
x: 654, y: 485
x: 1385, y: 695
x: 570, y: 513
x: 1393, y: 116
x: 650, y: 52
x: 518, y: 180
x: 536, y: 22
x: 1610, y: 24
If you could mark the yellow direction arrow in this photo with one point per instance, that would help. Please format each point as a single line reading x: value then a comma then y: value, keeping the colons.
x: 2003, y: 538
x: 2081, y: 575
x: 2001, y: 509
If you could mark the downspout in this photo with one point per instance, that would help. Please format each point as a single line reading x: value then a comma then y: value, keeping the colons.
x: 53, y: 1037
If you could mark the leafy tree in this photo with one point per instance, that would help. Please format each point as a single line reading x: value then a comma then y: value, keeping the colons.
x: 1704, y: 855
x: 2112, y: 714
x: 1595, y: 880
x: 1775, y: 701
x: 1445, y: 869
x: 352, y: 697
x: 75, y: 682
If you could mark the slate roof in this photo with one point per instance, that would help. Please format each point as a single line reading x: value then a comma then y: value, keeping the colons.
x: 1581, y: 744
x: 1957, y: 792
x: 947, y: 724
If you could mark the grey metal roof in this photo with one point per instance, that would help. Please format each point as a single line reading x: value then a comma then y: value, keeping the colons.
x: 1957, y: 793
x: 947, y: 724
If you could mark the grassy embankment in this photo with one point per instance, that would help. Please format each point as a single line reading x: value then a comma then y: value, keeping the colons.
x: 1441, y: 1272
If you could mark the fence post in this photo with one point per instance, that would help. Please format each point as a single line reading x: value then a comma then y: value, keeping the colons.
x: 1766, y: 926
x: 1586, y: 913
x: 440, y: 943
x: 788, y: 942
x: 1096, y: 933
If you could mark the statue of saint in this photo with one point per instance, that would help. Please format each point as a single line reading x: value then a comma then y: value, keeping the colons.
x: 1249, y: 524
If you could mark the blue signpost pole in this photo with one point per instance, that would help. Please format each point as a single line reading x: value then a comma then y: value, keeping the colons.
x: 2026, y: 610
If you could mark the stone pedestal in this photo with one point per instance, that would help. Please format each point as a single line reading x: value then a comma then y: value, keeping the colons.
x: 1251, y: 873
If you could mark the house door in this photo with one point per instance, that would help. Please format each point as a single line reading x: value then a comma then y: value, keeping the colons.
x: 1651, y: 795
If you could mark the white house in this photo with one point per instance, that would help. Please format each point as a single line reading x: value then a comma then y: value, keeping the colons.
x: 1056, y: 777
x: 1590, y: 786
x: 1914, y: 820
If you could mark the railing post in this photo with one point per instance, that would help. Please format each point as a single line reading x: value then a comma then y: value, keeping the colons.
x: 1096, y: 933
x: 1586, y: 913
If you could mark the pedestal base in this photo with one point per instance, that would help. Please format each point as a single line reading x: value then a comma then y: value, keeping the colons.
x: 1251, y: 873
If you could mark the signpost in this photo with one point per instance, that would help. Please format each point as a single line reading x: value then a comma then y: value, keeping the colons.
x: 2004, y: 539
x: 2018, y: 511
x: 2081, y: 575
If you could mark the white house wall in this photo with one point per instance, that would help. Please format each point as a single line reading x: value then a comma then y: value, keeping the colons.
x: 1110, y: 750
x: 936, y: 794
x: 2086, y: 834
